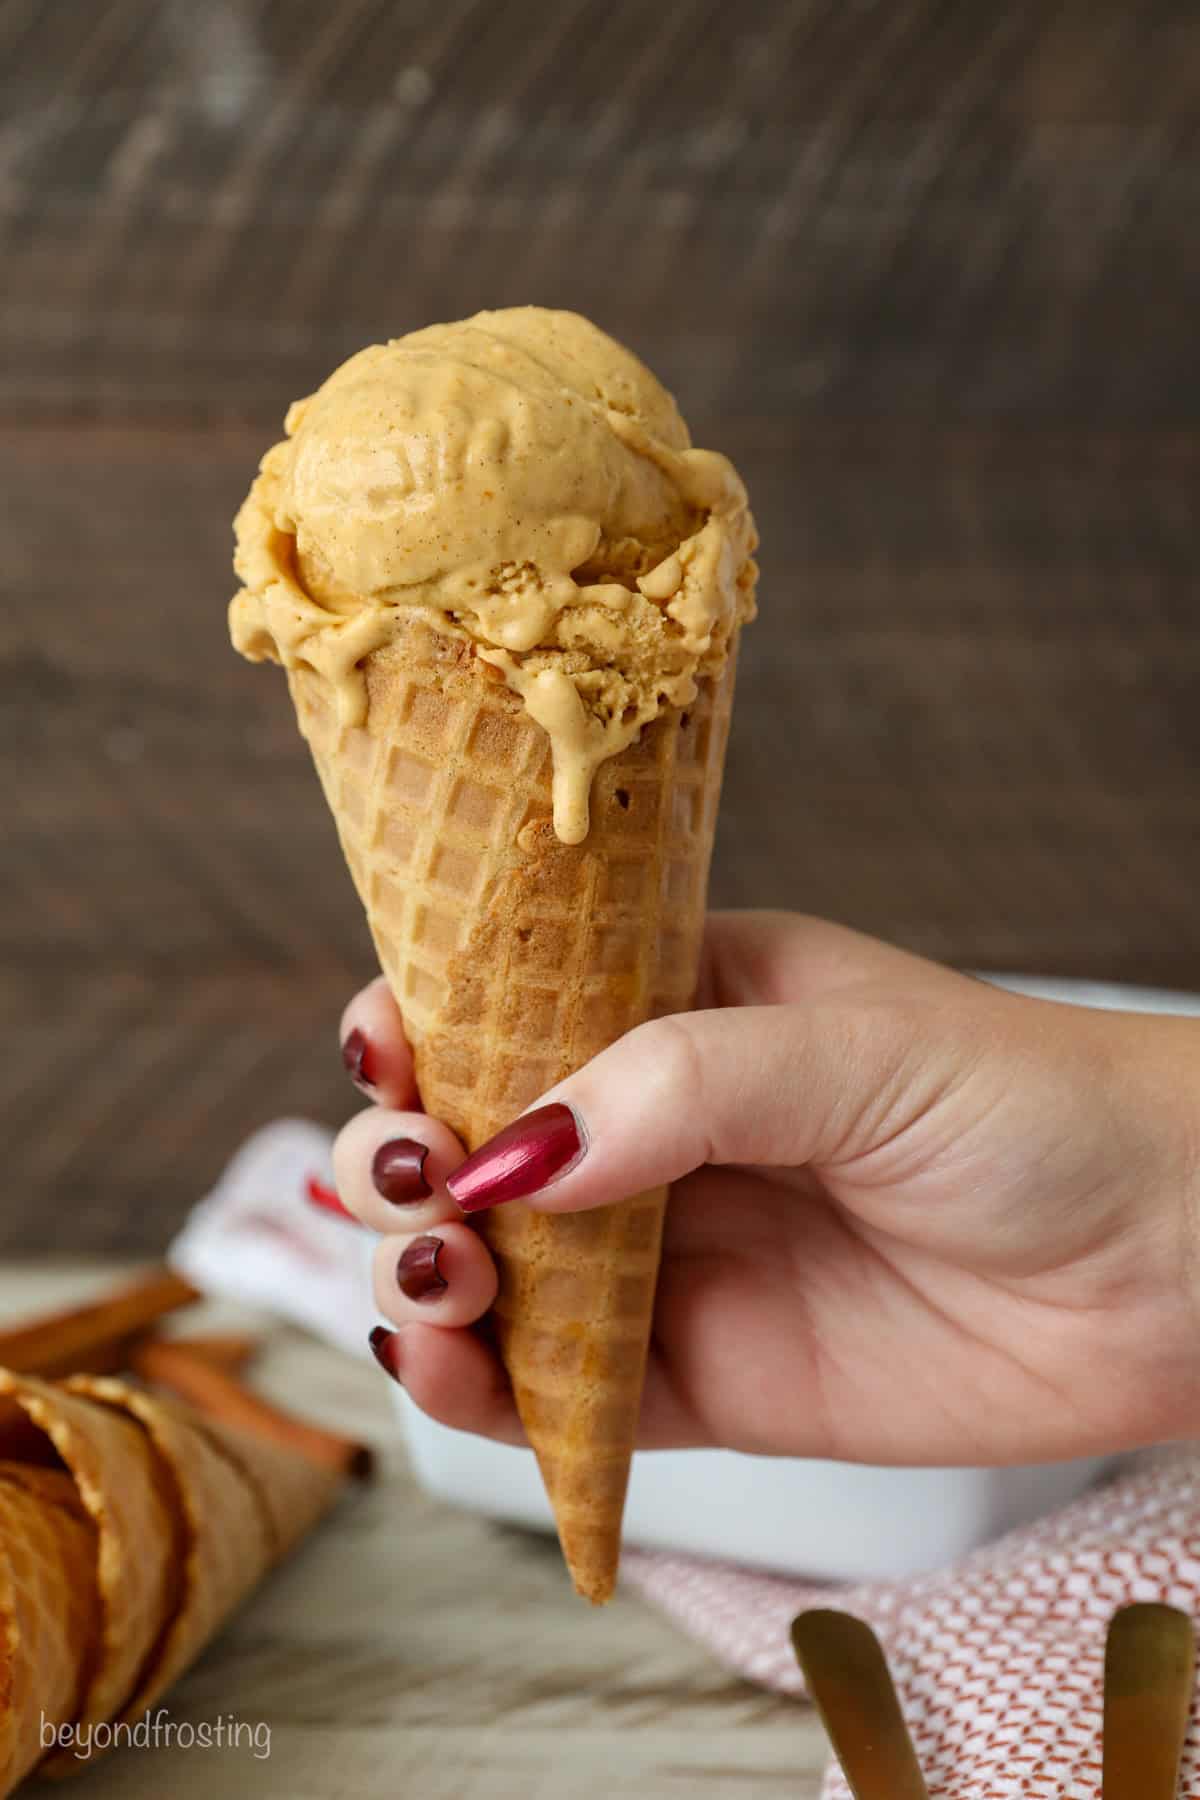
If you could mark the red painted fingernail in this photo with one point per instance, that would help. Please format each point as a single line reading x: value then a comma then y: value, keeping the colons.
x: 326, y: 1198
x: 519, y: 1160
x: 356, y: 1054
x: 385, y: 1348
x: 417, y: 1272
x: 398, y: 1171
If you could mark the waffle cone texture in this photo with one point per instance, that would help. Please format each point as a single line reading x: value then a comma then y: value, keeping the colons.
x: 130, y: 1529
x: 514, y: 959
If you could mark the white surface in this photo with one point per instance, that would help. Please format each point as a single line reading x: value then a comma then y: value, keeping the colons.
x: 832, y: 1520
x: 257, y: 1239
x: 840, y: 1521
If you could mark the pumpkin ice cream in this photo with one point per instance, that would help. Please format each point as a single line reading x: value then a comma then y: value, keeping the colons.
x: 526, y: 482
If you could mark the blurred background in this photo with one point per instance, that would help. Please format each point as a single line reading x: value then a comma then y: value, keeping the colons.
x: 930, y: 273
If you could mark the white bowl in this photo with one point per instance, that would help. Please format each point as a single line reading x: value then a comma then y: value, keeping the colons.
x: 839, y: 1521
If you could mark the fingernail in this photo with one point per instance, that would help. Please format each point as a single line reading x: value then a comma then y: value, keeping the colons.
x: 385, y: 1348
x: 326, y: 1198
x: 525, y: 1156
x: 356, y: 1054
x: 398, y: 1171
x: 417, y: 1272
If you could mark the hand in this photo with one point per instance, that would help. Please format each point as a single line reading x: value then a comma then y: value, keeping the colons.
x: 914, y: 1218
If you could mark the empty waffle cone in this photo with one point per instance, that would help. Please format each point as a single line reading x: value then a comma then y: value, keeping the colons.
x: 49, y: 1611
x: 515, y: 958
x: 221, y: 1540
x: 117, y: 1479
x: 293, y: 1493
x: 120, y: 1562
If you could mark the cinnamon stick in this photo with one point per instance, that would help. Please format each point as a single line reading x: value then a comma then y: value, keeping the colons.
x: 88, y: 1338
x: 214, y: 1391
x: 103, y: 1359
x: 230, y: 1350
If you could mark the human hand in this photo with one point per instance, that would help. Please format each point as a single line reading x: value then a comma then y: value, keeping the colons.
x: 914, y: 1218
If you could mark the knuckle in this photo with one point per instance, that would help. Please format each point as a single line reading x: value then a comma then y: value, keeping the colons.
x: 678, y: 1076
x: 383, y: 1271
x: 670, y: 1051
x: 355, y: 1141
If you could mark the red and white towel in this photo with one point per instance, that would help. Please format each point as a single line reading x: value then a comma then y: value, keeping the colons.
x: 999, y: 1660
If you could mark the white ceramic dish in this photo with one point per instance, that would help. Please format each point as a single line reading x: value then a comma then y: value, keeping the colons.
x: 834, y: 1520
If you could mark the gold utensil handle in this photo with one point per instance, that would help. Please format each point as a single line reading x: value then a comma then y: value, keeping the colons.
x: 1149, y: 1666
x: 848, y: 1679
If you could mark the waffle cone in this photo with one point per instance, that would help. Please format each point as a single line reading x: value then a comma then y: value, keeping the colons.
x: 49, y: 1611
x: 220, y: 1537
x: 514, y: 959
x: 120, y: 1562
x: 293, y: 1494
x: 116, y: 1477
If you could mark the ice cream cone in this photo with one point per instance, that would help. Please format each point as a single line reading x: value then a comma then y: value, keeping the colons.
x: 221, y: 1537
x: 293, y: 1493
x: 49, y: 1611
x: 131, y: 1526
x: 118, y: 1481
x: 514, y: 958
x: 507, y: 590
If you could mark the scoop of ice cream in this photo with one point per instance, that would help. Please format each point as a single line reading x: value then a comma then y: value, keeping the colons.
x: 527, y: 480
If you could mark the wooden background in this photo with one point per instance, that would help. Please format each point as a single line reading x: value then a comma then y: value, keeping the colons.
x: 929, y: 271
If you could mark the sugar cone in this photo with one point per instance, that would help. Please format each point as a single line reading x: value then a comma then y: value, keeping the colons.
x: 49, y: 1611
x: 116, y: 1476
x: 515, y: 958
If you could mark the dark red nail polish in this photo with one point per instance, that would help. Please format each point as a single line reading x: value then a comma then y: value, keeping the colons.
x: 356, y: 1054
x: 417, y: 1272
x: 519, y: 1160
x: 326, y: 1198
x: 398, y: 1171
x: 385, y: 1348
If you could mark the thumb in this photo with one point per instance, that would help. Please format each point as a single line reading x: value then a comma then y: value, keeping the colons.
x: 769, y: 1085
